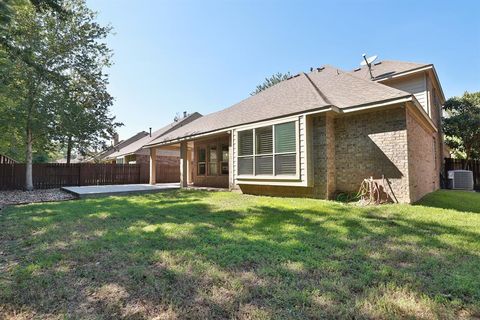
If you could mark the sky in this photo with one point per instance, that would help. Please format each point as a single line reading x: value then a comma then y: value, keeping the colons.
x: 175, y: 56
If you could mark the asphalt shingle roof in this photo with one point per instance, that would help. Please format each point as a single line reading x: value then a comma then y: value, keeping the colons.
x: 344, y: 90
x: 136, y: 145
x: 321, y: 88
x: 106, y: 154
x: 386, y: 68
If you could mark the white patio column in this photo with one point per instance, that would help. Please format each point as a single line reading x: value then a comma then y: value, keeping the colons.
x: 183, y: 164
x: 153, y: 165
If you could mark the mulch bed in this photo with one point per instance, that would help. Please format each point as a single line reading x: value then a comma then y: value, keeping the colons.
x: 23, y: 197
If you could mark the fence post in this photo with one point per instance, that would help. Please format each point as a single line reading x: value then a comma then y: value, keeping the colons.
x: 79, y: 174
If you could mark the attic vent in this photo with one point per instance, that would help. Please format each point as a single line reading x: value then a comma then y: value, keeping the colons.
x: 320, y: 69
x: 358, y: 69
x: 377, y: 63
x: 298, y: 74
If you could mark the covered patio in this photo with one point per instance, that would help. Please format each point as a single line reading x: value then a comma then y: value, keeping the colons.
x: 204, y: 161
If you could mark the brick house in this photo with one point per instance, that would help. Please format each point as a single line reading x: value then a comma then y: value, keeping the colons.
x: 320, y: 133
x: 130, y: 151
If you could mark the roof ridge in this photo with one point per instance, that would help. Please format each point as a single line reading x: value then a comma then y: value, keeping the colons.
x: 320, y: 93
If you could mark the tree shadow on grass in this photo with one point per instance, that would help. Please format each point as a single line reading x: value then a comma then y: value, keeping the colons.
x: 175, y: 255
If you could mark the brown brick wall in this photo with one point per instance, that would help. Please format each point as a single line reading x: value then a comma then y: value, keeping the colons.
x: 347, y: 149
x: 424, y: 172
x: 319, y: 156
x: 372, y: 144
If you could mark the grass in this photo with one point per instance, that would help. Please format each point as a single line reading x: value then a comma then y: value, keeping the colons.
x: 196, y: 254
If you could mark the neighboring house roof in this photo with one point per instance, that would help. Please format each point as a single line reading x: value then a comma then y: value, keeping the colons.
x: 76, y: 160
x: 387, y: 68
x: 105, y: 154
x: 137, y: 145
x: 320, y: 89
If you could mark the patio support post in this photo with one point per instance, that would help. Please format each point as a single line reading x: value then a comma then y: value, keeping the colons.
x: 153, y: 165
x: 183, y: 164
x: 189, y: 165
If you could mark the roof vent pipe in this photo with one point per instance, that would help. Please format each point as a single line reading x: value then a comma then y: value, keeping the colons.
x: 184, y: 114
x: 150, y: 131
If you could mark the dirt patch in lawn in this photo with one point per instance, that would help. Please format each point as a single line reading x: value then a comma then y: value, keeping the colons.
x: 23, y: 197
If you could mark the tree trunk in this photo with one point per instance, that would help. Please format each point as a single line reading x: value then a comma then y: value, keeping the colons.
x: 69, y: 149
x: 28, y: 158
x: 467, y: 157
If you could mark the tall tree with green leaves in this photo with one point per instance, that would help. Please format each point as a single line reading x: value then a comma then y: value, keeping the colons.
x: 60, y: 69
x: 85, y: 123
x: 462, y: 126
x: 271, y: 81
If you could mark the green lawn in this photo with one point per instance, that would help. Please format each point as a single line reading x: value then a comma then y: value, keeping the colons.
x: 206, y: 255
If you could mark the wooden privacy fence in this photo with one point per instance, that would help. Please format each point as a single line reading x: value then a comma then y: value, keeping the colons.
x: 462, y: 164
x: 56, y: 175
x: 6, y: 160
x: 168, y: 169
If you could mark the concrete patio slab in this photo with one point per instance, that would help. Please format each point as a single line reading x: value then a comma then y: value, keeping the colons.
x: 119, y: 189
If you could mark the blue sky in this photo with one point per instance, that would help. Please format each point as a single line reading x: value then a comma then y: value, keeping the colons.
x: 204, y: 56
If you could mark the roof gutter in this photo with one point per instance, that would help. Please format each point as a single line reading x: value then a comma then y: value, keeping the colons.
x: 420, y: 69
x: 385, y: 103
x: 404, y: 73
x: 226, y: 129
x: 377, y: 104
x: 331, y: 108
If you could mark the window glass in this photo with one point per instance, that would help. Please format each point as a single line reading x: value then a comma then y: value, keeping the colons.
x: 213, y: 153
x: 245, y: 143
x: 263, y: 140
x: 225, y: 153
x: 245, y: 165
x: 285, y: 138
x: 224, y: 164
x: 202, y: 158
x: 224, y: 168
x: 212, y: 167
x: 275, y: 151
x: 212, y: 158
x: 201, y: 155
x: 201, y: 169
x: 264, y: 165
x: 285, y: 164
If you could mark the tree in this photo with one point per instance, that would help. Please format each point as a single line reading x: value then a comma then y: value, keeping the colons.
x: 84, y: 123
x: 269, y: 82
x: 60, y: 56
x: 462, y: 126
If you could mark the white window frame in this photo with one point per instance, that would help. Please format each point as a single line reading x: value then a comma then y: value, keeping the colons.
x: 273, y: 176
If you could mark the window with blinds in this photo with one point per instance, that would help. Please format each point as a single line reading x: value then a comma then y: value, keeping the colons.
x: 269, y: 150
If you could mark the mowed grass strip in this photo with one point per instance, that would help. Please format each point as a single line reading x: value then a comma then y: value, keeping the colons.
x: 193, y: 254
